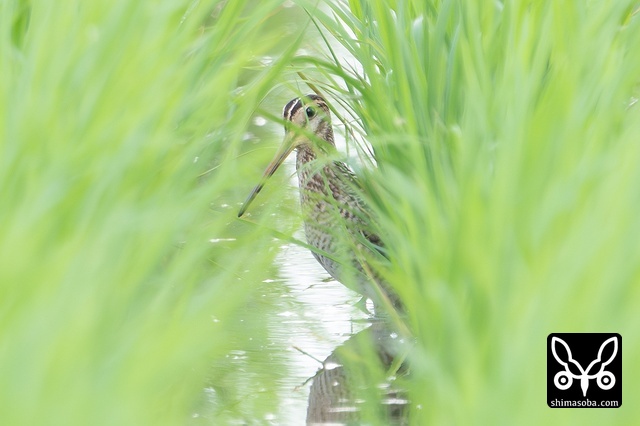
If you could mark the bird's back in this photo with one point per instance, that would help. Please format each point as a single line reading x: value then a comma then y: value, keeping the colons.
x: 337, y: 223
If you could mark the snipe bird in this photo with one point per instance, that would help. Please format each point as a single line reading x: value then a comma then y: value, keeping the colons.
x: 337, y: 222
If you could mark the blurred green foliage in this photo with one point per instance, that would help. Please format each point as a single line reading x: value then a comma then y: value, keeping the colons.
x: 121, y: 124
x: 505, y: 138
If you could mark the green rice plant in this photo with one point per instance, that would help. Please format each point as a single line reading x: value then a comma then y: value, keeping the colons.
x: 121, y: 277
x: 505, y: 138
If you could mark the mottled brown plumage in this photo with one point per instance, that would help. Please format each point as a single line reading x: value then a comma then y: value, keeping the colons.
x: 337, y: 221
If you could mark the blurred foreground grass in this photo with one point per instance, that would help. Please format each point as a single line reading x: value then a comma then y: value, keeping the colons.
x: 506, y: 139
x: 113, y: 302
x: 505, y: 136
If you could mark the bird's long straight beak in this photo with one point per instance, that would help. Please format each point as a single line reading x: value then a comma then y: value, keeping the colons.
x: 283, y: 152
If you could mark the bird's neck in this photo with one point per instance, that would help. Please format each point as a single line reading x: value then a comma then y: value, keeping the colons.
x: 308, y: 169
x: 304, y: 154
x: 307, y: 152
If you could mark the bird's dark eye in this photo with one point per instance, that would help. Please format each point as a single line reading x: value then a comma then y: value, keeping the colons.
x: 310, y: 112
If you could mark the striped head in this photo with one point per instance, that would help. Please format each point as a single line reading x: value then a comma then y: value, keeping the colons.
x: 307, y: 127
x: 306, y: 116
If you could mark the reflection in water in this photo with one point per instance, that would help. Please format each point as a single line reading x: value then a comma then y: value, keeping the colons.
x: 323, y: 320
x: 316, y: 316
x: 336, y: 396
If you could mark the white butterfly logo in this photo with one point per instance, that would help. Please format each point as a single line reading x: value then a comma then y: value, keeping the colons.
x: 564, y: 379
